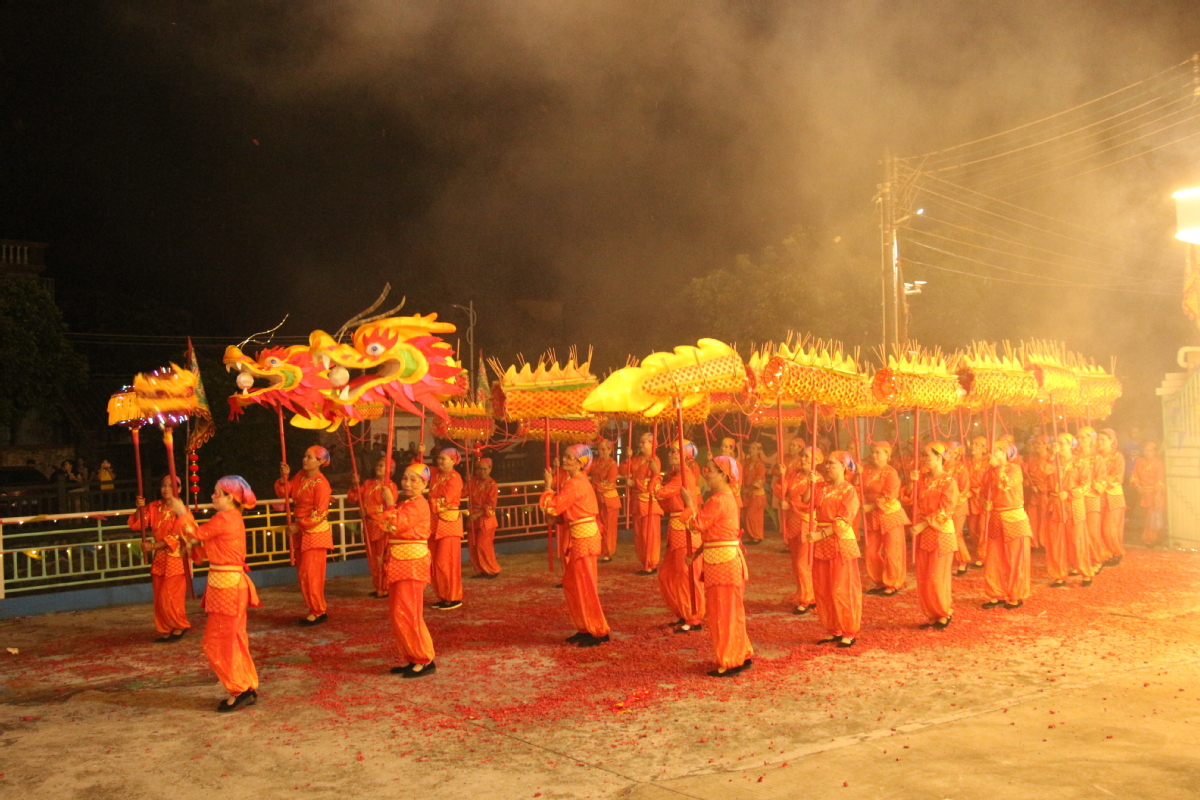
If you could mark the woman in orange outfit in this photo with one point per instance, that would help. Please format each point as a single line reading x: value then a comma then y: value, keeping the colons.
x: 1065, y: 528
x: 724, y: 569
x: 446, y: 532
x: 406, y: 567
x: 754, y: 494
x: 230, y: 591
x: 835, y: 554
x: 1006, y: 576
x: 1086, y: 457
x: 167, y: 573
x: 977, y: 518
x: 1150, y: 478
x: 574, y: 505
x: 885, y: 523
x: 729, y: 449
x: 1110, y: 474
x: 1035, y: 475
x: 678, y: 581
x: 603, y: 476
x: 485, y: 494
x: 962, y: 479
x: 309, y: 492
x: 796, y: 490
x: 375, y: 498
x: 933, y: 536
x: 647, y: 514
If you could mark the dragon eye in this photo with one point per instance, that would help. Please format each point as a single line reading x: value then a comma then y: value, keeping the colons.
x: 375, y: 349
x: 272, y: 362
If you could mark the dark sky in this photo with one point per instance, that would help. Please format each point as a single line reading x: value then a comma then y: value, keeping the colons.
x: 207, y: 167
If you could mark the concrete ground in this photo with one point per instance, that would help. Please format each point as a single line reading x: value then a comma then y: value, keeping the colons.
x: 1083, y: 692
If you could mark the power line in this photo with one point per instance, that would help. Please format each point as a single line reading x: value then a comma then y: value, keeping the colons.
x: 1012, y: 280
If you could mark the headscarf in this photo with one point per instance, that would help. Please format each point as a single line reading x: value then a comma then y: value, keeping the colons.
x: 728, y: 467
x: 689, y: 449
x: 1066, y: 438
x: 982, y: 440
x: 452, y: 452
x: 319, y: 453
x: 178, y: 483
x: 884, y: 443
x: 418, y: 469
x: 938, y: 448
x: 818, y: 456
x: 581, y: 452
x: 1086, y: 432
x: 729, y: 440
x: 236, y: 487
x: 483, y: 462
x: 1110, y: 433
x: 844, y: 458
x: 953, y: 449
x: 1006, y: 447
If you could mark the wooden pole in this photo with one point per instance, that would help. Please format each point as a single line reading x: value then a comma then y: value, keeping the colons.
x: 549, y: 525
x: 137, y: 461
x: 683, y: 473
x: 293, y: 549
x: 169, y: 443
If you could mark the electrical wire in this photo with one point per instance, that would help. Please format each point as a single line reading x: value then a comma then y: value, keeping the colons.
x: 1025, y: 283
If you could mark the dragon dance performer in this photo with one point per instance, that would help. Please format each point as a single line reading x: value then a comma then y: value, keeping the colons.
x: 603, y: 476
x: 644, y: 471
x: 1006, y: 571
x: 885, y: 522
x: 485, y: 494
x: 796, y: 490
x: 978, y: 468
x: 754, y: 494
x: 574, y: 504
x: 167, y: 575
x: 1064, y: 531
x: 933, y: 536
x: 230, y: 591
x: 310, y: 491
x: 1036, y: 469
x: 1150, y: 478
x: 445, y: 541
x: 1086, y: 458
x: 729, y: 449
x: 675, y: 573
x: 376, y: 498
x: 835, y: 554
x: 406, y: 567
x: 962, y: 478
x: 724, y: 568
x: 1110, y: 473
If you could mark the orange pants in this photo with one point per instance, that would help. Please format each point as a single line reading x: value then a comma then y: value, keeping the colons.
x: 1097, y: 548
x: 1006, y: 576
x: 311, y: 572
x: 1155, y: 524
x: 647, y: 539
x: 977, y: 524
x: 407, y: 606
x: 962, y: 556
x: 582, y: 589
x: 170, y: 611
x: 753, y: 509
x: 673, y: 582
x: 839, y: 594
x: 801, y: 571
x: 933, y: 583
x: 228, y: 647
x: 885, y: 556
x: 726, y: 620
x: 373, y: 547
x: 1035, y: 512
x: 610, y: 521
x: 446, y: 568
x: 1113, y: 530
x: 1078, y: 553
x: 482, y: 546
x: 1054, y: 539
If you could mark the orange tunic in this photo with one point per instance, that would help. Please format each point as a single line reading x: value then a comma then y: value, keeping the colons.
x: 603, y: 475
x: 1150, y: 478
x: 481, y: 548
x: 1110, y: 473
x: 310, y: 509
x: 937, y: 499
x: 835, y: 561
x: 724, y: 579
x: 1007, y: 571
x: 407, y: 569
x: 445, y: 541
x: 167, y: 575
x: 370, y: 497
x: 754, y: 498
x: 678, y: 581
x: 647, y: 528
x: 962, y: 479
x: 799, y: 520
x: 885, y: 527
x: 575, y: 506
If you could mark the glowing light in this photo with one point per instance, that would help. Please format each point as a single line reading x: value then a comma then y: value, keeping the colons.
x: 920, y: 211
x: 1187, y: 215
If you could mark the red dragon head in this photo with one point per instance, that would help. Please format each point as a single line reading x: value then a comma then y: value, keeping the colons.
x: 294, y: 382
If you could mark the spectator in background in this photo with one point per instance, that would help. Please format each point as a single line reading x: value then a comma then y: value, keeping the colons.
x: 1131, y: 448
x: 81, y: 470
x: 65, y: 472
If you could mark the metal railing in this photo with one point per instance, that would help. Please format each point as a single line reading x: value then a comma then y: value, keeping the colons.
x: 46, y: 553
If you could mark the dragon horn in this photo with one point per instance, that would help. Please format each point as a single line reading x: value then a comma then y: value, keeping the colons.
x: 387, y: 288
x: 271, y: 331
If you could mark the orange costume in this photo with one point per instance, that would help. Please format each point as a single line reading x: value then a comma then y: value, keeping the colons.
x: 674, y: 573
x: 230, y: 592
x: 575, y: 506
x: 167, y: 574
x: 446, y: 532
x: 977, y: 518
x: 603, y: 476
x: 310, y: 497
x: 482, y: 546
x: 962, y: 479
x: 1064, y: 527
x: 1006, y: 573
x: 885, y: 528
x: 1150, y: 477
x: 724, y: 577
x: 1110, y: 472
x: 1036, y: 471
x: 369, y: 496
x: 647, y: 514
x: 754, y: 498
x: 406, y: 571
x: 1092, y: 505
x: 835, y: 561
x: 936, y: 544
x: 799, y: 522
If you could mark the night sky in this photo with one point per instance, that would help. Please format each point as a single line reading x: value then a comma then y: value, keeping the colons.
x: 205, y: 168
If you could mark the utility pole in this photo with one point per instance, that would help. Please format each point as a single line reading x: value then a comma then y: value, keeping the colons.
x: 889, y: 271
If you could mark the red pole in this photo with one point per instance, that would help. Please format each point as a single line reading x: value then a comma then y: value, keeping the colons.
x: 812, y: 489
x: 358, y: 483
x: 683, y: 473
x: 782, y: 466
x: 137, y: 460
x: 917, y: 469
x: 287, y: 491
x: 169, y: 443
x: 549, y: 525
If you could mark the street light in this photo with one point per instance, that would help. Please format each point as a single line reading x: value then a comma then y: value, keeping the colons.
x: 914, y: 287
x: 1187, y: 215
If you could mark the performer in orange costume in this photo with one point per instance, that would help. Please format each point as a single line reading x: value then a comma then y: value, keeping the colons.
x: 485, y: 494
x: 167, y: 574
x: 835, y: 554
x: 885, y: 523
x: 406, y: 568
x: 754, y: 494
x: 729, y: 449
x: 1006, y: 574
x: 230, y: 591
x: 1065, y: 526
x: 603, y: 476
x: 796, y: 490
x: 1035, y: 473
x: 375, y: 498
x: 1110, y: 473
x: 977, y: 468
x: 647, y: 514
x: 933, y: 536
x: 962, y: 479
x: 724, y: 569
x: 1150, y: 478
x: 1086, y: 458
x: 445, y: 541
x: 675, y: 573
x: 310, y: 492
x: 574, y: 504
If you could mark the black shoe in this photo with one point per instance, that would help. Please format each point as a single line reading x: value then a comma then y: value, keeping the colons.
x: 685, y: 628
x: 593, y: 641
x: 941, y: 626
x: 927, y: 625
x: 753, y: 541
x: 958, y: 573
x: 427, y: 669
x: 479, y: 576
x: 575, y: 638
x: 992, y: 604
x: 876, y: 591
x: 1058, y: 585
x: 729, y: 673
x: 558, y: 586
x: 844, y: 644
x: 1086, y: 582
x: 976, y: 565
x: 164, y: 639
x: 889, y: 592
x: 1114, y: 561
x: 829, y: 640
x: 401, y: 670
x: 644, y: 572
x: 800, y: 610
x: 606, y: 560
x: 494, y: 575
x: 440, y: 604
x: 449, y: 605
x: 319, y: 619
x: 246, y: 698
x: 1011, y: 606
x: 812, y: 606
x: 175, y: 637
